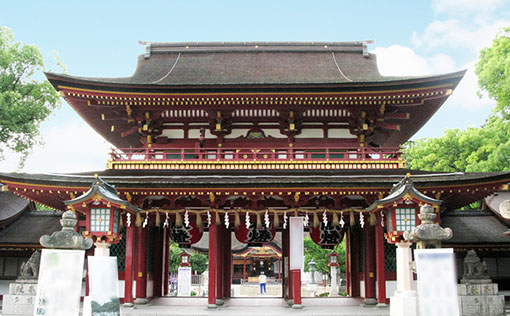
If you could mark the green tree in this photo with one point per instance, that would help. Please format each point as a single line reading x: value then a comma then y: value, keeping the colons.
x: 24, y: 101
x: 174, y: 256
x: 493, y: 71
x: 199, y: 262
x: 320, y: 256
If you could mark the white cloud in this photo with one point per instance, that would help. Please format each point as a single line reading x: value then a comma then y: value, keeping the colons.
x: 399, y: 60
x: 70, y: 146
x: 455, y: 33
x: 404, y: 61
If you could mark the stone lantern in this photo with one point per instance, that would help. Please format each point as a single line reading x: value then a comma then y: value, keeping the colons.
x: 185, y: 259
x: 428, y: 234
x: 333, y: 264
x: 312, y: 269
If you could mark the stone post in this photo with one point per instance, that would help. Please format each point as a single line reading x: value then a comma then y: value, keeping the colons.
x: 405, y: 301
x: 311, y: 269
x: 334, y: 288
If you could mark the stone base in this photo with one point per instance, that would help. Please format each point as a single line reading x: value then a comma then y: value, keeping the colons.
x: 404, y: 304
x: 487, y: 305
x: 465, y: 280
x: 381, y: 305
x: 141, y: 300
x: 128, y: 304
x: 297, y: 306
x: 369, y: 302
x: 212, y: 306
x: 478, y: 289
x: 21, y: 298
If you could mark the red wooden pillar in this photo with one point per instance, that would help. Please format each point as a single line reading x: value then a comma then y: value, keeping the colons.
x: 369, y: 244
x: 355, y: 244
x: 227, y: 264
x: 348, y: 261
x: 213, y: 235
x: 129, y: 266
x: 141, y: 266
x: 219, y: 259
x: 381, y: 270
x: 158, y: 262
x: 296, y: 288
x: 166, y: 259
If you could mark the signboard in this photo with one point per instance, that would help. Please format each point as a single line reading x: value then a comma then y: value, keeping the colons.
x: 184, y: 281
x: 327, y: 236
x: 103, y: 282
x: 437, y: 282
x: 59, y: 285
x: 297, y: 243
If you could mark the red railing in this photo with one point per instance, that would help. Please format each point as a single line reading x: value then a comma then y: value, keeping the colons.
x: 256, y: 155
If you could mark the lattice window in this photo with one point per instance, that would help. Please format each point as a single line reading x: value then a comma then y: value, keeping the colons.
x: 390, y: 257
x: 116, y: 221
x: 99, y: 219
x: 405, y: 219
x: 119, y: 250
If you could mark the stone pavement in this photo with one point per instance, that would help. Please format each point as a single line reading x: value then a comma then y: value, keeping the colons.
x: 255, y: 307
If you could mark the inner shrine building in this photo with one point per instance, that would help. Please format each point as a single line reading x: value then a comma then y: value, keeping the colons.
x: 236, y: 139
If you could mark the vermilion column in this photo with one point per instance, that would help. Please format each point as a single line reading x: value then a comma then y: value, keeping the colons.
x: 227, y: 264
x: 129, y: 266
x: 141, y: 266
x: 158, y: 262
x: 219, y: 259
x: 381, y: 271
x: 369, y: 244
x: 213, y: 235
x: 348, y: 261
x: 166, y: 259
x: 355, y: 262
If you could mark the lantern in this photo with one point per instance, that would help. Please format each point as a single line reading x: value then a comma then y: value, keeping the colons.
x: 401, y: 208
x: 254, y: 236
x: 184, y: 235
x: 185, y: 259
x: 102, y: 208
x: 327, y: 236
x: 333, y: 259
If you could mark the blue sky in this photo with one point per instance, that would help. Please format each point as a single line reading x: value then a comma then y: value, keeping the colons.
x: 100, y: 39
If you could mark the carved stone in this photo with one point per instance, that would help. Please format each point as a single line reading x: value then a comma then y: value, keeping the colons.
x: 428, y: 235
x: 30, y: 268
x: 475, y: 271
x: 67, y: 238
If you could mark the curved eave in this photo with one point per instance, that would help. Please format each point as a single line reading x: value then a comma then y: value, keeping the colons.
x: 95, y: 190
x: 117, y: 85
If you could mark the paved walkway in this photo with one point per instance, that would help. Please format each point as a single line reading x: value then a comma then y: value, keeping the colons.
x: 255, y: 307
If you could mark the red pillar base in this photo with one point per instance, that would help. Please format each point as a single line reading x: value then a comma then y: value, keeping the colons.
x: 296, y: 289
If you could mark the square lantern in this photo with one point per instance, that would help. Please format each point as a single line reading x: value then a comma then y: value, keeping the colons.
x: 401, y: 218
x: 333, y: 259
x: 103, y: 220
x: 185, y: 259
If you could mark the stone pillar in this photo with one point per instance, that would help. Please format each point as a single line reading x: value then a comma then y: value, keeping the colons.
x: 381, y: 270
x: 334, y: 288
x: 405, y: 301
x: 141, y: 266
x: 369, y: 252
x: 213, y: 235
x: 129, y: 266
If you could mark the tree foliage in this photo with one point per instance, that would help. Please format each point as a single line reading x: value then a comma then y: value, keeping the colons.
x: 320, y: 256
x: 24, y: 101
x: 493, y: 71
x: 198, y: 261
x: 482, y: 149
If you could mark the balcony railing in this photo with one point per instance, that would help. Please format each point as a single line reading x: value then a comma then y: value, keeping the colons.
x: 257, y: 158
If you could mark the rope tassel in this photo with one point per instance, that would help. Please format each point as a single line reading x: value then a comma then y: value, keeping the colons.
x: 158, y: 219
x: 315, y: 222
x: 276, y: 220
x: 199, y: 221
x: 178, y: 219
x: 335, y: 221
x: 218, y: 220
x: 259, y: 221
x: 237, y: 219
x: 138, y: 220
x: 372, y: 220
x: 352, y: 219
